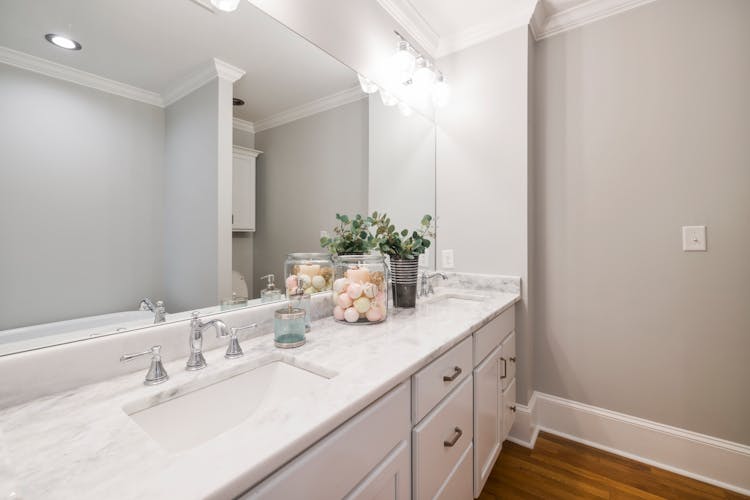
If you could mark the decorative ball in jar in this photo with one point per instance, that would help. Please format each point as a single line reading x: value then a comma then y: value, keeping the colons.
x: 360, y: 289
x: 312, y: 272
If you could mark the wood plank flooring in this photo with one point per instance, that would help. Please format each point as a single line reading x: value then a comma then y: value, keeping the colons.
x: 559, y: 468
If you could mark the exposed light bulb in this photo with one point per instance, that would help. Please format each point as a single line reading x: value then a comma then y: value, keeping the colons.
x: 441, y: 92
x: 405, y: 109
x: 367, y: 86
x: 402, y: 62
x: 226, y: 5
x: 388, y: 99
x: 423, y: 75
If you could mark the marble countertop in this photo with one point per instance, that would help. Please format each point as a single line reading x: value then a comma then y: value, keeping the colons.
x: 82, y: 444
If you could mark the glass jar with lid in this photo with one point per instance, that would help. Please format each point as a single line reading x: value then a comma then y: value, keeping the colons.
x: 360, y: 289
x: 312, y: 272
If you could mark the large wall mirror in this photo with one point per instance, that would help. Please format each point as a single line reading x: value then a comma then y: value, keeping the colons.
x: 131, y: 174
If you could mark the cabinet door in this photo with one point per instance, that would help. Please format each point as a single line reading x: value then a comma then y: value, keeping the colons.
x: 487, y: 418
x: 509, y: 408
x: 508, y: 360
x: 390, y: 480
x: 243, y: 193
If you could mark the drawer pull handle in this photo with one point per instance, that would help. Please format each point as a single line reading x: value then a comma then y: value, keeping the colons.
x: 512, y: 359
x: 505, y: 368
x: 512, y: 408
x: 456, y: 373
x: 457, y: 433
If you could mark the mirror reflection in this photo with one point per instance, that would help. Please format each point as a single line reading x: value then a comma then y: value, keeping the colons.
x: 146, y: 177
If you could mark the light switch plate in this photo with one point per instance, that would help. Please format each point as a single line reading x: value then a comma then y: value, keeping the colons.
x: 448, y: 262
x: 694, y: 238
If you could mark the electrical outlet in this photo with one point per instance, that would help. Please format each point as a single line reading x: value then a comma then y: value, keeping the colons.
x: 448, y: 262
x: 694, y: 238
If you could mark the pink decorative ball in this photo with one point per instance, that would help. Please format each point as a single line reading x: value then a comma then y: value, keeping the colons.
x: 374, y: 314
x: 345, y: 301
x: 291, y: 282
x: 351, y: 315
x: 338, y: 313
x: 354, y: 290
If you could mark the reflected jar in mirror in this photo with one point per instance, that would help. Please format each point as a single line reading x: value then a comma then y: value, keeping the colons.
x: 312, y: 272
x: 360, y: 290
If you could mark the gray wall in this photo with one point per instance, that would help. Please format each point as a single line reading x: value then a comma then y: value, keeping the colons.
x: 81, y: 182
x: 482, y: 200
x: 402, y: 166
x: 310, y: 169
x: 643, y: 126
x: 191, y: 200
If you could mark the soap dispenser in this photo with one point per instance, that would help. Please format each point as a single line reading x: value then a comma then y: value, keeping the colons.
x: 301, y: 300
x: 270, y: 293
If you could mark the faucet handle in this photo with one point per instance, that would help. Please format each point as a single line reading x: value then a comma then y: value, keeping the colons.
x: 156, y: 372
x: 234, y: 350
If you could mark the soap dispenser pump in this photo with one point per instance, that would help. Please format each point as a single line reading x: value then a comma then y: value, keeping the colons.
x: 270, y: 293
x: 301, y: 300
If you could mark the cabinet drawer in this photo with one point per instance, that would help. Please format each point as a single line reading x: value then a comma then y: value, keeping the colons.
x: 339, y: 462
x: 509, y: 408
x: 433, y: 382
x: 508, y: 360
x: 441, y: 440
x: 458, y: 485
x: 487, y: 338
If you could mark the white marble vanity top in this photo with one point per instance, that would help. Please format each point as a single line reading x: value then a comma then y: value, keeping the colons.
x: 82, y: 444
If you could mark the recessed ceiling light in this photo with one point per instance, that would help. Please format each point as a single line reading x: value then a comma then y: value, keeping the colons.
x: 237, y: 101
x: 62, y: 42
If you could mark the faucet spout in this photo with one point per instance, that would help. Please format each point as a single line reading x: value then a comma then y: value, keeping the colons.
x: 196, y: 360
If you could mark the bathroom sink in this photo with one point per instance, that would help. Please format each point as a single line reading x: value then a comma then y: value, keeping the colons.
x: 455, y: 297
x: 199, y: 415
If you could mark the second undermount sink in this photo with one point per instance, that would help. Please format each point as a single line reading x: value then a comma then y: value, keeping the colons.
x: 199, y: 415
x: 455, y: 297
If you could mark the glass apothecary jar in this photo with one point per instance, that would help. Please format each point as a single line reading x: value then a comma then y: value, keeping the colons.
x: 360, y: 289
x: 313, y: 272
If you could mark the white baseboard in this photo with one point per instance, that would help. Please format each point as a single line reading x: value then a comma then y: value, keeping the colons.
x: 705, y: 458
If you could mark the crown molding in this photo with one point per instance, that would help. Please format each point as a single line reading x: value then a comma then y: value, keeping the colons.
x: 483, y: 32
x: 244, y: 125
x: 247, y: 152
x: 412, y: 21
x: 547, y: 21
x: 62, y: 72
x: 311, y: 108
x: 214, y: 69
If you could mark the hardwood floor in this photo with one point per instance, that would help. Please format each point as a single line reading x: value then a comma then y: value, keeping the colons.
x: 559, y: 468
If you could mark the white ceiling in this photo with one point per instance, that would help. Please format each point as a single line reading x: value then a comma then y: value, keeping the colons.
x: 156, y: 44
x: 449, y: 17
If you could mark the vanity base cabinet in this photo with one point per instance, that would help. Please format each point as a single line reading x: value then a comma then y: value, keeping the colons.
x: 441, y: 442
x: 367, y: 457
x: 488, y: 418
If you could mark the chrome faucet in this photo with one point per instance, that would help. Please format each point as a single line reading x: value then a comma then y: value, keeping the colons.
x: 196, y: 361
x: 160, y: 312
x: 156, y: 372
x: 426, y: 283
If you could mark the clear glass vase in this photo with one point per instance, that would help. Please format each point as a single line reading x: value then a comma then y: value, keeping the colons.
x: 313, y: 272
x: 360, y: 289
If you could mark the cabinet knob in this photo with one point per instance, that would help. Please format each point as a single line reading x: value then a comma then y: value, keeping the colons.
x: 512, y: 408
x: 512, y: 359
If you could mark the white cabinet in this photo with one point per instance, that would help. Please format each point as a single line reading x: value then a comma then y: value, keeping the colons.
x: 508, y: 360
x: 488, y: 423
x: 367, y: 457
x: 509, y: 408
x: 243, y: 188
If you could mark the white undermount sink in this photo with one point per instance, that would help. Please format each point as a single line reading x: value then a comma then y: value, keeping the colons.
x: 199, y: 415
x: 456, y: 297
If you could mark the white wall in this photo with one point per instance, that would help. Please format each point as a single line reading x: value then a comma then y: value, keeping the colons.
x: 642, y: 126
x: 482, y: 170
x: 81, y: 181
x: 310, y: 170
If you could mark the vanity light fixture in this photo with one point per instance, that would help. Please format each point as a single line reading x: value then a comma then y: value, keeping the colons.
x: 405, y: 109
x: 367, y: 86
x: 62, y: 41
x: 226, y: 5
x: 388, y: 98
x: 403, y: 61
x: 424, y: 76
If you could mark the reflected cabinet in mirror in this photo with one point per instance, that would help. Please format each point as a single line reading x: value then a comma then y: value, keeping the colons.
x: 149, y: 172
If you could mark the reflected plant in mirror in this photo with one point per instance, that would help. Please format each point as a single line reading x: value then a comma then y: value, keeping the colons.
x: 351, y: 236
x: 144, y: 193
